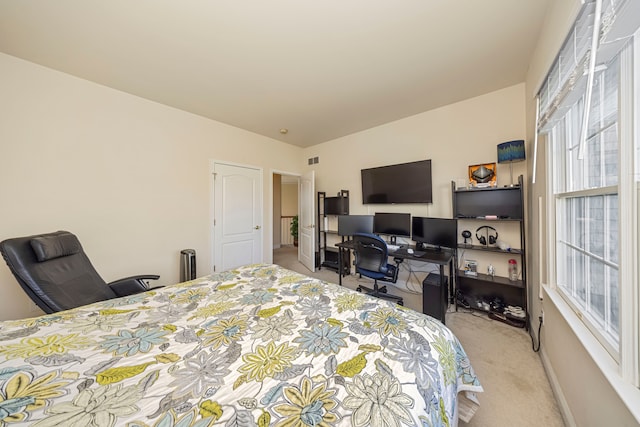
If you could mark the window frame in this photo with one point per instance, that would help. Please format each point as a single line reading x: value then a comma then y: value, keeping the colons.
x: 571, y: 133
x: 624, y: 361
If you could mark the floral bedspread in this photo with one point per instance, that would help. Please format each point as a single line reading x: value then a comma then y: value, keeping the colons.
x: 256, y: 346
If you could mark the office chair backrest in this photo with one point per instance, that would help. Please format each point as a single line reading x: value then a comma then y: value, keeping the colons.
x: 371, y: 254
x: 54, y: 271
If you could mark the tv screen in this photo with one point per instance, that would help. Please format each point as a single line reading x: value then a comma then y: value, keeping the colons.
x: 392, y: 224
x: 348, y: 225
x: 401, y: 183
x: 436, y: 232
x: 336, y: 206
x: 504, y: 203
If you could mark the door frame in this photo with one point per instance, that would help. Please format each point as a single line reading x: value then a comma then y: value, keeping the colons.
x: 212, y: 240
x: 270, y: 207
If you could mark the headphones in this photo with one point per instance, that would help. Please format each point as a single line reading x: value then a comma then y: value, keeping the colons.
x: 492, y: 238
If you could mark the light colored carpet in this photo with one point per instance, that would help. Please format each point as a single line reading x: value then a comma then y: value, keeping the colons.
x: 516, y: 389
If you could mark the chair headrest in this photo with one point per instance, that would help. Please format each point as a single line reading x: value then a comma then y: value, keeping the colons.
x: 370, y: 239
x: 55, y: 246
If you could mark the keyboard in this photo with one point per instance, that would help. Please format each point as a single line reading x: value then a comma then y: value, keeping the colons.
x: 392, y: 248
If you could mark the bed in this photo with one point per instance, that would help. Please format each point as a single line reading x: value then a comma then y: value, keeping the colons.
x: 256, y: 346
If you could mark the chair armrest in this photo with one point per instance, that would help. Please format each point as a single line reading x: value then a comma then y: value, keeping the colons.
x: 132, y: 285
x: 391, y: 275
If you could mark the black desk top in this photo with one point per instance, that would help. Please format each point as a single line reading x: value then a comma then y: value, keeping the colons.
x: 433, y: 256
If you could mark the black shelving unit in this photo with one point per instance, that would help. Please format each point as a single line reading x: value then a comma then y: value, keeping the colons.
x: 327, y: 254
x: 493, y: 206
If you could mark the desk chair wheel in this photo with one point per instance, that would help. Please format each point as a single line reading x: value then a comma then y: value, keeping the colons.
x: 359, y: 289
x: 400, y: 303
x: 383, y: 290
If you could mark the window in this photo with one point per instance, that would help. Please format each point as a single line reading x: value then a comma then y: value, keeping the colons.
x: 588, y: 170
x: 586, y: 200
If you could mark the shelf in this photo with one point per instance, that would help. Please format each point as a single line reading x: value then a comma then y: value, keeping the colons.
x: 327, y: 255
x: 492, y: 279
x: 509, y: 320
x: 506, y: 205
x: 476, y: 190
x: 489, y: 249
x: 481, y: 218
x: 331, y: 264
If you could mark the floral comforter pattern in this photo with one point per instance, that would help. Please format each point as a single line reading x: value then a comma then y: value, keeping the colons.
x: 256, y: 346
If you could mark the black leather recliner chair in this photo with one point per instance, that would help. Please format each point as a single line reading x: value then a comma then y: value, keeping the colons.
x: 55, y: 272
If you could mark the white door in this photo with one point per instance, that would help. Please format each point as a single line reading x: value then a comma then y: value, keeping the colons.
x: 237, y: 216
x: 307, y: 222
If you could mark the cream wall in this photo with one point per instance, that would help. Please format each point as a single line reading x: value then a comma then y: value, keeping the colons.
x: 277, y: 210
x: 289, y: 199
x: 129, y: 176
x: 586, y: 397
x: 453, y: 137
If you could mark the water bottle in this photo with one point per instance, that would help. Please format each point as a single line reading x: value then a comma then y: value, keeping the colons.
x: 513, y: 270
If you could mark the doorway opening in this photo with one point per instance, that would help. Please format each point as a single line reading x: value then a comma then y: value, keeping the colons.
x: 294, y: 204
x: 285, y: 211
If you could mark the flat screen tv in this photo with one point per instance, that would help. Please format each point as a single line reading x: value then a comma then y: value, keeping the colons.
x: 336, y: 206
x: 503, y: 202
x: 392, y: 224
x: 435, y: 232
x: 401, y: 183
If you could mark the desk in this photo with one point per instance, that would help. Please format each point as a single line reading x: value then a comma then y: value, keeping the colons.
x: 441, y: 258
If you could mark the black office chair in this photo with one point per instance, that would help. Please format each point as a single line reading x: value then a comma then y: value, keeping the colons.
x: 57, y: 275
x: 372, y: 261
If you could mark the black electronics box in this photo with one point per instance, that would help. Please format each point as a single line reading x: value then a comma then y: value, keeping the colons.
x: 435, y: 295
x: 336, y: 205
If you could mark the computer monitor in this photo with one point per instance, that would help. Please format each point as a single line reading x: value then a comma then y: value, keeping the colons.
x: 434, y: 232
x: 348, y: 225
x: 392, y: 224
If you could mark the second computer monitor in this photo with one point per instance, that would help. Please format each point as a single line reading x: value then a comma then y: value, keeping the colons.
x: 435, y: 232
x: 392, y: 224
x: 348, y: 225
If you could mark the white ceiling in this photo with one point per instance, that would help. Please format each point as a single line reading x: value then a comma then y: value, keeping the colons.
x: 321, y: 69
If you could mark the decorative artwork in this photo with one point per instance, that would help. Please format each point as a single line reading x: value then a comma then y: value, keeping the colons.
x: 483, y: 175
x: 470, y: 267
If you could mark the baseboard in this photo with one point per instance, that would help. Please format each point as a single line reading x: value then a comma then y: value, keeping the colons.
x: 563, y: 406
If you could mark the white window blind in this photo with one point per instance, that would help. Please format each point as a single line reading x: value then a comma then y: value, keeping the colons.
x: 566, y: 81
x: 567, y: 71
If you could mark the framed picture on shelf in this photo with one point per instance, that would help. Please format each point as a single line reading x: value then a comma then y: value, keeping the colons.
x: 470, y: 267
x: 483, y: 175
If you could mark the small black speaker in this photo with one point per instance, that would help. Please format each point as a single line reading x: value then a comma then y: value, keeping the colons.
x: 435, y: 296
